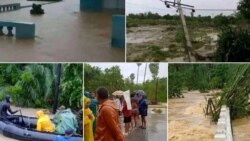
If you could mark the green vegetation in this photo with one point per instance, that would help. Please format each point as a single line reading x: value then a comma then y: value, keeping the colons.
x: 33, y: 85
x: 113, y: 80
x: 234, y: 45
x: 233, y: 79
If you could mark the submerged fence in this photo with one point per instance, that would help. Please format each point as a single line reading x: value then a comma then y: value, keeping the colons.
x: 224, y: 128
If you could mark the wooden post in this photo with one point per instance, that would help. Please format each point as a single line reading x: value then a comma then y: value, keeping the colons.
x: 188, y: 45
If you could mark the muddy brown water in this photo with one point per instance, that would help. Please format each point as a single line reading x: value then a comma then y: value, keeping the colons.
x: 241, y: 129
x: 187, y: 121
x: 63, y: 33
x: 145, y: 43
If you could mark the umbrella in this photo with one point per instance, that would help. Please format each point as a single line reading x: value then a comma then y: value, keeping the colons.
x: 120, y: 93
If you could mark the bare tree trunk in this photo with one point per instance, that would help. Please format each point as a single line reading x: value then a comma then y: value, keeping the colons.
x: 57, y: 85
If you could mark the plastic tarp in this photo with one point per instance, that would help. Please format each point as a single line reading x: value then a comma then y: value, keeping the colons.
x: 127, y: 99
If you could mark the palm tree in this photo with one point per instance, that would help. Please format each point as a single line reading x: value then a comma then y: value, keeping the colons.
x: 138, y: 64
x: 154, y: 69
x: 132, y: 77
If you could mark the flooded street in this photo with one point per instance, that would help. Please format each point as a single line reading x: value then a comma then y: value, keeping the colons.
x: 156, y: 128
x: 187, y: 121
x: 63, y: 33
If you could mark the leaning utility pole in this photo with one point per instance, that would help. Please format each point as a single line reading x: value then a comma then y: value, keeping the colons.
x: 188, y: 45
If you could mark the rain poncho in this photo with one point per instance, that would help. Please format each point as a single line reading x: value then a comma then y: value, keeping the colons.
x: 93, y: 107
x: 44, y: 123
x: 143, y: 104
x: 108, y: 123
x: 65, y: 119
x: 88, y: 122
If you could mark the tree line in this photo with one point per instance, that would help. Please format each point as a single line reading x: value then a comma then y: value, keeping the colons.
x: 33, y: 85
x: 233, y: 79
x: 113, y: 80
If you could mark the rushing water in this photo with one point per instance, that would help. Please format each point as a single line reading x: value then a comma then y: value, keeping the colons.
x: 63, y: 33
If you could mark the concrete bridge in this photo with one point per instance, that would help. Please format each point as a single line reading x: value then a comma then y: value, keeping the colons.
x: 9, y: 7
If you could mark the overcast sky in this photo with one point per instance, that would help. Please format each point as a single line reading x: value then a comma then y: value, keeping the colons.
x: 156, y: 6
x: 128, y: 68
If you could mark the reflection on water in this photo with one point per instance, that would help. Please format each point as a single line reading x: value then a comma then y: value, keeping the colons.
x: 63, y: 33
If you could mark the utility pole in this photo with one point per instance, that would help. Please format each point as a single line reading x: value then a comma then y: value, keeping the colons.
x: 188, y: 45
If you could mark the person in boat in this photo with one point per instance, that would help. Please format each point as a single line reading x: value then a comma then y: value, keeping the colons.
x: 88, y: 121
x: 64, y: 119
x: 44, y: 123
x: 68, y: 136
x: 108, y: 123
x: 6, y: 113
x: 143, y: 108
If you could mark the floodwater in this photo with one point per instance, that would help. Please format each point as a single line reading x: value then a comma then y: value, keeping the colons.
x: 187, y: 121
x: 63, y: 33
x: 241, y: 129
x: 156, y: 127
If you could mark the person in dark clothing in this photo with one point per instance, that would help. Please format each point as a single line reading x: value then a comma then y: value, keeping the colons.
x: 6, y: 112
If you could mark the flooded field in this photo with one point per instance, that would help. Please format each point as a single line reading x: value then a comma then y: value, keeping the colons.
x: 63, y: 33
x: 187, y: 121
x: 164, y: 43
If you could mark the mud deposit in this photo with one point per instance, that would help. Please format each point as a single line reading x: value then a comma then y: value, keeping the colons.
x: 165, y: 43
x: 187, y: 121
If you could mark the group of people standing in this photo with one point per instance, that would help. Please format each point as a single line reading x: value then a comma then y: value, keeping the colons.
x: 102, y: 115
x: 138, y: 109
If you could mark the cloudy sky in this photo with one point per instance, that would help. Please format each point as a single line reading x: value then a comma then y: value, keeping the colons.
x: 156, y: 6
x: 128, y: 68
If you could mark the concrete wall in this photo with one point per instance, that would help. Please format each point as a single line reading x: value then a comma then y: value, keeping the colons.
x: 224, y: 130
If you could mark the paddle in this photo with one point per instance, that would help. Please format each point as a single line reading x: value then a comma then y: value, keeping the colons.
x: 22, y: 117
x: 20, y: 111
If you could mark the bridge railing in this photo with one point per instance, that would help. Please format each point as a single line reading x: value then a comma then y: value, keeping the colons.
x: 24, y: 30
x: 10, y: 7
x: 224, y: 128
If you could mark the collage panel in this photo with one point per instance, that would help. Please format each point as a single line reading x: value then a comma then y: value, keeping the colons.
x: 41, y: 102
x: 187, y: 31
x: 62, y: 30
x: 125, y: 101
x: 208, y: 102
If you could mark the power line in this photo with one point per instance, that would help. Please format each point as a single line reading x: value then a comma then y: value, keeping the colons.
x: 198, y: 9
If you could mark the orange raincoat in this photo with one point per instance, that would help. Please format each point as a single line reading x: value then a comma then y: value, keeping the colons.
x: 108, y: 123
